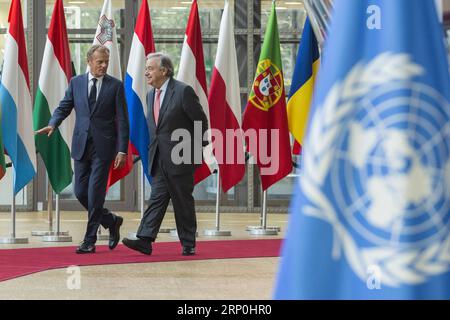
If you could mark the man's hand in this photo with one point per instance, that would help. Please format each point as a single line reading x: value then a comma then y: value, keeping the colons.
x: 47, y: 130
x: 121, y: 158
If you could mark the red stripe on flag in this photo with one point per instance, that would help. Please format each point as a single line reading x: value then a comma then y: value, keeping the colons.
x: 16, y: 31
x: 143, y: 29
x: 194, y: 40
x: 117, y: 174
x: 232, y: 170
x: 57, y: 34
x: 273, y: 119
x: 296, y: 148
x: 201, y: 173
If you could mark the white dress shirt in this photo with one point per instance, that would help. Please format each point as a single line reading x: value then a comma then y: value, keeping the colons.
x: 163, y: 90
x: 98, y: 85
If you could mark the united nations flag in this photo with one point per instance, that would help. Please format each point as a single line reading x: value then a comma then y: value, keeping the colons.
x: 371, y: 212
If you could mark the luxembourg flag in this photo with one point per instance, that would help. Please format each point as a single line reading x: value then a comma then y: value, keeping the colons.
x: 136, y: 87
x: 15, y: 101
x: 225, y: 105
x: 192, y: 72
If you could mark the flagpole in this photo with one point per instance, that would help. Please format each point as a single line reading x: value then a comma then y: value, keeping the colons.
x: 217, y: 231
x: 50, y: 219
x: 49, y: 216
x: 142, y: 193
x: 49, y: 208
x: 50, y: 231
x: 261, y: 218
x: 101, y: 236
x: 12, y: 239
x: 264, y: 230
x: 56, y: 235
x: 132, y: 235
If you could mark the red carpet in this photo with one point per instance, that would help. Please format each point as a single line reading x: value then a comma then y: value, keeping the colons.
x: 20, y: 262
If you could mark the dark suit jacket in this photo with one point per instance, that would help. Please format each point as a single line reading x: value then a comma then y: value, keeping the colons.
x: 108, y: 120
x: 179, y: 109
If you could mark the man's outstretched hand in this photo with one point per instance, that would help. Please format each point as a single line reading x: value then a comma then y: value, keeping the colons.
x: 46, y: 130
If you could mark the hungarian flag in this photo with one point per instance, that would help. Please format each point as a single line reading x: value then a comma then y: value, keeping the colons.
x: 56, y: 72
x: 265, y: 120
x: 192, y: 72
x: 136, y: 86
x: 2, y: 155
x: 15, y: 100
x: 106, y: 36
x: 225, y: 106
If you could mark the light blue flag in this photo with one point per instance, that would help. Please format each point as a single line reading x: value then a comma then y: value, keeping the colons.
x: 371, y: 211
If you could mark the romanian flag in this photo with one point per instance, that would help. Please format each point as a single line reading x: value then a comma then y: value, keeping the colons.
x: 302, y: 86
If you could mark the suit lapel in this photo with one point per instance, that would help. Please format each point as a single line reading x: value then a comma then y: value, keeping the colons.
x: 150, y: 115
x: 150, y: 102
x: 166, y: 102
x: 103, y: 90
x: 85, y: 90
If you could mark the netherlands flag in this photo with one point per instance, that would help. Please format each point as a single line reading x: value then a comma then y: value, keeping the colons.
x: 15, y: 101
x: 136, y: 87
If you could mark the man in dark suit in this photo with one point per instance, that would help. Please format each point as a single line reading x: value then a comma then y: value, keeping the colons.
x: 173, y: 111
x: 101, y: 134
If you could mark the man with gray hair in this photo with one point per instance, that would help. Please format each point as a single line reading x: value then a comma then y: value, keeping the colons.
x: 172, y: 106
x: 101, y: 135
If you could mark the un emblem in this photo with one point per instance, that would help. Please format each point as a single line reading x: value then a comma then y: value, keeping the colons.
x: 380, y: 146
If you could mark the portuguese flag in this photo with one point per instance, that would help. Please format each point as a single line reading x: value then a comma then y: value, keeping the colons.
x: 265, y: 120
x: 56, y: 72
x: 2, y: 155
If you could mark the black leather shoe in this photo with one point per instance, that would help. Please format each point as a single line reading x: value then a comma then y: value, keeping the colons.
x: 140, y: 245
x: 114, y: 234
x: 86, y: 247
x: 188, y: 251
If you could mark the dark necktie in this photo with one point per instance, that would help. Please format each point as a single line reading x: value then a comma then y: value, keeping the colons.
x: 93, y: 94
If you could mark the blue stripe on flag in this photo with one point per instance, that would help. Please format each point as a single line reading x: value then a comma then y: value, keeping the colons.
x: 139, y: 134
x: 23, y: 167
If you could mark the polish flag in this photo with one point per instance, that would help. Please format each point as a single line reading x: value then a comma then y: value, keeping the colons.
x: 225, y: 106
x: 192, y: 72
